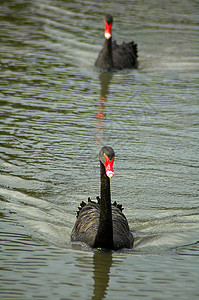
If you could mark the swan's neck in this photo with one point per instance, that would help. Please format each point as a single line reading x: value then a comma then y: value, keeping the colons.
x: 107, y: 54
x: 104, y: 237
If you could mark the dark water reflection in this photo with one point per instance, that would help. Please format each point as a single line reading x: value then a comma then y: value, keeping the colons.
x: 57, y: 110
x: 105, y: 80
x: 102, y: 264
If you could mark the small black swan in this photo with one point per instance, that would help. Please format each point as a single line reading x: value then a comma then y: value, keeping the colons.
x: 114, y: 56
x: 102, y: 224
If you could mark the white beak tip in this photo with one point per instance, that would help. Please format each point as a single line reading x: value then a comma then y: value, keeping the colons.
x: 110, y: 174
x: 107, y: 35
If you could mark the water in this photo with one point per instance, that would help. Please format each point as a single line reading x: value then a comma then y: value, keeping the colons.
x: 57, y: 110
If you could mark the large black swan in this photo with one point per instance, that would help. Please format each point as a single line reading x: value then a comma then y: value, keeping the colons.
x: 114, y: 56
x: 102, y: 224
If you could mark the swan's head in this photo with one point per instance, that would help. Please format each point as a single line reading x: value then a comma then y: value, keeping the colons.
x: 106, y: 156
x: 108, y: 21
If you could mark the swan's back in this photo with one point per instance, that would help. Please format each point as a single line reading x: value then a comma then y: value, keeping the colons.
x: 87, y: 223
x: 124, y: 55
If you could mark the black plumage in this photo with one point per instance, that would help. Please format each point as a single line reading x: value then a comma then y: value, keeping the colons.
x: 114, y: 56
x: 101, y: 224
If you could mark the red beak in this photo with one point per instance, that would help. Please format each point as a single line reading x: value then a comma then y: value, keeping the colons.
x: 107, y: 30
x: 109, y: 166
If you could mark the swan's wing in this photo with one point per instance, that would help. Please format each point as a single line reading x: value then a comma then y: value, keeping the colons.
x: 85, y: 228
x: 124, y: 55
x: 122, y: 235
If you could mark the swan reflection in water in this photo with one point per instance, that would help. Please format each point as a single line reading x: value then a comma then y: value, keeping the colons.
x: 102, y: 262
x: 105, y: 80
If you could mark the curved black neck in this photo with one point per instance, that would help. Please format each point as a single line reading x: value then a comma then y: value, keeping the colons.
x: 104, y: 237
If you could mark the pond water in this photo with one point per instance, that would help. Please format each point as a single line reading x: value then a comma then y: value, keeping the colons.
x: 58, y: 110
